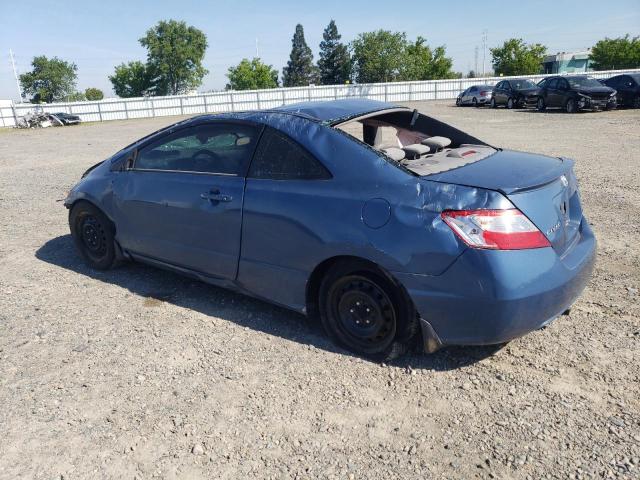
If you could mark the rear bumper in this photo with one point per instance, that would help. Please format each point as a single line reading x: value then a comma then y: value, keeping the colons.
x: 489, y: 296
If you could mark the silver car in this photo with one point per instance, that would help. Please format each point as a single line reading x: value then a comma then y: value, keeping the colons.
x: 476, y: 95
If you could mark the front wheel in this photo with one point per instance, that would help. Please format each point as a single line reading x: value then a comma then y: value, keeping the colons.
x: 493, y: 103
x: 458, y: 102
x: 510, y: 103
x: 93, y: 235
x: 571, y: 106
x: 475, y: 102
x: 364, y: 311
x: 540, y: 105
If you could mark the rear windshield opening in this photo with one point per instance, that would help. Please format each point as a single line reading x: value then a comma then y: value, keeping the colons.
x: 417, y: 142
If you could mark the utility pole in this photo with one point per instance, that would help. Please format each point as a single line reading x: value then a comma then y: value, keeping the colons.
x: 15, y: 74
x: 484, y: 51
x: 475, y: 70
x: 257, y: 51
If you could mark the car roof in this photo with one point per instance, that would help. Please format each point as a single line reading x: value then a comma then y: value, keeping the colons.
x: 336, y: 110
x: 329, y: 112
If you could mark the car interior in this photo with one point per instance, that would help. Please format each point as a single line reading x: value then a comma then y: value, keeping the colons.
x: 418, y: 142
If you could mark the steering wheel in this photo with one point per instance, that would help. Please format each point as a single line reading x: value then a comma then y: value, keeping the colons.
x: 200, y: 163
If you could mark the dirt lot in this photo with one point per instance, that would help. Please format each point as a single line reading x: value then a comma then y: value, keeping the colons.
x: 139, y: 373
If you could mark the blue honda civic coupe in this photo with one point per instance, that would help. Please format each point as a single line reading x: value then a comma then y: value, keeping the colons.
x: 391, y: 226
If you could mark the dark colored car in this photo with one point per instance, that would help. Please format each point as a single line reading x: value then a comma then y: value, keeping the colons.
x: 476, y: 95
x: 573, y: 93
x: 390, y: 225
x: 65, y: 118
x: 627, y: 87
x: 514, y: 93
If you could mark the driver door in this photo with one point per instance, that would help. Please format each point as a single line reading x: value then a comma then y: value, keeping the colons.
x: 181, y: 200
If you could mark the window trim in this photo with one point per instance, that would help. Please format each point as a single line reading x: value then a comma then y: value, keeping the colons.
x: 242, y: 171
x: 296, y: 143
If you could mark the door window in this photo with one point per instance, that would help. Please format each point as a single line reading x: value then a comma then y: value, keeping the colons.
x: 553, y: 83
x: 563, y: 84
x: 280, y: 158
x: 210, y: 148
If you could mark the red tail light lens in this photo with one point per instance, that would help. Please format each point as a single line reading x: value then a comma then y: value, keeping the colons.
x: 495, y: 229
x: 483, y: 94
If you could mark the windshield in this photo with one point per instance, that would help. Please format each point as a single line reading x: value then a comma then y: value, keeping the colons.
x: 581, y: 82
x: 520, y: 84
x: 636, y: 77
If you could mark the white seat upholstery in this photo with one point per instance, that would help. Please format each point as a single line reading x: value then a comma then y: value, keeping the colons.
x: 436, y: 144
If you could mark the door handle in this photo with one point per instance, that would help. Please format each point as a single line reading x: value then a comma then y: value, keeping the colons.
x: 216, y: 196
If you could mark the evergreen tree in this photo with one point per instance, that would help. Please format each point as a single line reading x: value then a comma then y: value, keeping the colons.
x: 334, y: 64
x: 300, y: 70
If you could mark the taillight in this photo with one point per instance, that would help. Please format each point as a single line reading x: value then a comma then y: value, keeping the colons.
x: 483, y: 94
x: 495, y: 229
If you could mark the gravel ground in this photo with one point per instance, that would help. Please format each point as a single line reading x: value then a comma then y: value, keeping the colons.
x: 139, y: 373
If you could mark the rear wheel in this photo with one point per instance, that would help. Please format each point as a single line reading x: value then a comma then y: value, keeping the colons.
x: 540, y: 105
x: 475, y: 102
x: 366, y: 312
x: 636, y: 102
x: 493, y: 103
x: 458, y: 102
x: 93, y: 235
x: 510, y: 103
x: 571, y: 106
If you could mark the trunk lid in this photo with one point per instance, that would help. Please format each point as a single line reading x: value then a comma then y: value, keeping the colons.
x: 543, y: 188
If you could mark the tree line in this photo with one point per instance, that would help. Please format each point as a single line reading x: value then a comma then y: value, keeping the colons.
x: 175, y: 55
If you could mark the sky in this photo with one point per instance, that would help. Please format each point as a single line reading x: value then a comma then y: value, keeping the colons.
x: 98, y: 35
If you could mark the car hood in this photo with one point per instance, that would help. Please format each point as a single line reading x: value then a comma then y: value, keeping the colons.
x: 528, y: 91
x: 595, y: 90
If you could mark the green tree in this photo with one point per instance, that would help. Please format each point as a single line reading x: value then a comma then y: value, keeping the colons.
x: 50, y: 80
x: 300, y: 70
x: 378, y: 56
x: 75, y: 97
x: 175, y: 54
x: 135, y: 79
x: 515, y: 57
x: 616, y: 53
x: 422, y: 63
x: 334, y: 65
x: 93, y: 94
x: 252, y: 75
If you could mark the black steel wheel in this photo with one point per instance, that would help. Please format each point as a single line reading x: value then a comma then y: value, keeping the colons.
x: 571, y: 106
x: 457, y: 101
x: 93, y: 235
x: 366, y: 312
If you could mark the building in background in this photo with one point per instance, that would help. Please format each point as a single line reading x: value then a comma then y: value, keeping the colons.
x: 567, y: 62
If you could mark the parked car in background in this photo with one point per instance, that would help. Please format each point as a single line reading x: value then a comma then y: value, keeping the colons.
x: 477, y: 95
x: 627, y: 87
x: 62, y: 118
x: 388, y: 224
x: 514, y: 93
x: 573, y: 93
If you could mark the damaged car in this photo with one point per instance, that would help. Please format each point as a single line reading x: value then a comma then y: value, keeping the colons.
x: 573, y: 93
x: 392, y: 227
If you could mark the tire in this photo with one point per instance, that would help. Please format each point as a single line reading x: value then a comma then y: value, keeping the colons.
x: 474, y: 102
x: 493, y: 103
x: 367, y: 312
x: 571, y: 106
x: 93, y: 234
x: 636, y: 102
x: 458, y: 102
x: 510, y: 103
x: 540, y: 105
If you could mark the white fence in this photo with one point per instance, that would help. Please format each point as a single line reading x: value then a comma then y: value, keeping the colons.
x: 122, y: 109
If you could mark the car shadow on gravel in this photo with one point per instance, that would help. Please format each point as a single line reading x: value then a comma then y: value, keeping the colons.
x: 155, y: 286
